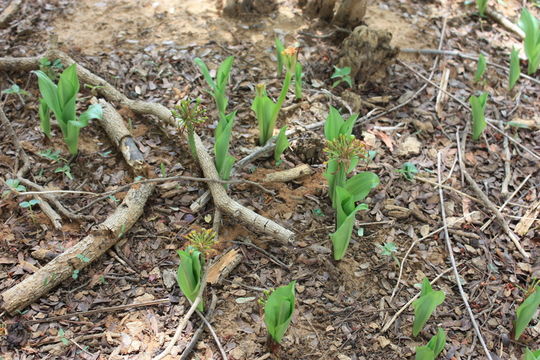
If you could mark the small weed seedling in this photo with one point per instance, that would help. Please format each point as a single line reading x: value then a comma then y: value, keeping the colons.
x: 531, y: 355
x: 15, y: 89
x: 61, y: 99
x: 342, y: 75
x: 62, y: 336
x: 480, y: 68
x: 189, y: 115
x: 51, y: 68
x: 531, y: 27
x: 389, y: 249
x: 298, y: 74
x: 515, y: 70
x: 478, y: 105
x: 408, y: 170
x: 282, y: 144
x: 481, y: 6
x: 526, y: 311
x: 66, y: 170
x: 433, y: 347
x: 218, y: 86
x: 278, y: 311
x: 425, y: 305
x: 13, y: 185
x: 191, y: 267
x: 28, y: 205
x: 266, y: 111
x: 281, y: 61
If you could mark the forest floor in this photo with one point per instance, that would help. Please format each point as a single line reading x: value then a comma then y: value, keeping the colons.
x: 146, y: 50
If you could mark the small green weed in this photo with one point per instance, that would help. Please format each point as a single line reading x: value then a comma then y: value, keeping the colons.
x: 531, y: 355
x: 481, y: 6
x: 218, y: 86
x: 515, y: 70
x: 13, y: 185
x: 408, y: 170
x: 342, y: 75
x: 15, y: 89
x: 189, y: 115
x: 526, y: 311
x: 480, y: 68
x: 282, y: 144
x: 389, y: 249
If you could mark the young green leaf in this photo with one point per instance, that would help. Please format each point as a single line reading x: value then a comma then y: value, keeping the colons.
x: 526, y: 311
x: 478, y: 105
x: 531, y: 355
x: 278, y: 311
x: 424, y: 353
x: 224, y: 161
x: 425, y: 305
x: 433, y: 348
x: 282, y: 144
x: 336, y: 125
x: 345, y: 218
x: 361, y: 184
x: 531, y: 27
x: 481, y: 68
x: 189, y: 273
x: 15, y: 89
x: 263, y: 107
x: 514, y: 69
x: 481, y: 6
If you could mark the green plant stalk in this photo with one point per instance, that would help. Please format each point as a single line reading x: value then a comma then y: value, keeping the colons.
x: 298, y: 81
x: 478, y: 105
x: 279, y: 55
x: 531, y: 27
x: 282, y: 96
x: 481, y: 68
x: 433, y: 348
x: 526, y: 311
x: 481, y: 5
x: 263, y: 107
x: 224, y: 161
x: 425, y: 305
x: 282, y: 144
x: 515, y: 71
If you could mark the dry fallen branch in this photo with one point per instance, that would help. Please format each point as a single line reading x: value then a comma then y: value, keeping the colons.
x: 231, y: 207
x: 504, y: 22
x: 289, y: 174
x: 453, y: 261
x: 9, y: 12
x: 91, y: 247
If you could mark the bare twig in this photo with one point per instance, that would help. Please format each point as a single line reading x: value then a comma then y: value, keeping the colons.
x: 453, y: 261
x: 502, y: 20
x: 214, y: 335
x: 197, y: 335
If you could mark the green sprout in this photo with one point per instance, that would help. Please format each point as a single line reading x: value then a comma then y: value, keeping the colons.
x: 279, y: 55
x: 481, y: 6
x: 266, y: 111
x: 433, y: 347
x: 51, y: 68
x: 425, y: 305
x: 526, y: 311
x: 66, y: 170
x: 61, y: 99
x: 531, y: 27
x: 389, y: 249
x: 28, y: 204
x: 481, y: 68
x: 13, y: 185
x: 531, y: 355
x: 222, y: 135
x: 15, y: 89
x: 282, y: 144
x: 515, y: 70
x: 189, y: 115
x: 218, y: 86
x: 342, y: 75
x: 278, y: 311
x: 190, y: 269
x: 478, y: 105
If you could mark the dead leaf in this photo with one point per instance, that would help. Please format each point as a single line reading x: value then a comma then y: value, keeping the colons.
x: 217, y: 268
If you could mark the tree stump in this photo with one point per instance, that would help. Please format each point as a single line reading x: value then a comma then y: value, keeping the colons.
x: 366, y: 51
x: 238, y: 8
x: 345, y: 13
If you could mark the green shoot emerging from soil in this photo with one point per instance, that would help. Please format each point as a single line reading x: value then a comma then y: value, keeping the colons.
x: 278, y: 311
x: 478, y: 105
x: 218, y: 86
x: 515, y: 70
x: 61, y: 100
x: 266, y: 111
x: 481, y: 68
x: 191, y: 267
x: 433, y: 347
x: 425, y: 305
x: 282, y: 144
x: 527, y: 309
x: 531, y: 27
x: 481, y: 6
x: 531, y: 355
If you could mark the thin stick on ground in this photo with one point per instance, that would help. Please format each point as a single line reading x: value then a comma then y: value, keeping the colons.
x: 402, y: 262
x: 214, y: 335
x: 197, y: 335
x: 453, y: 261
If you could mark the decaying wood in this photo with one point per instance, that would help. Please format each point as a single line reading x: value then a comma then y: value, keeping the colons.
x: 507, y: 24
x: 289, y: 174
x: 528, y: 219
x: 10, y: 11
x: 100, y: 239
x: 233, y: 208
x: 345, y: 13
x: 121, y: 137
